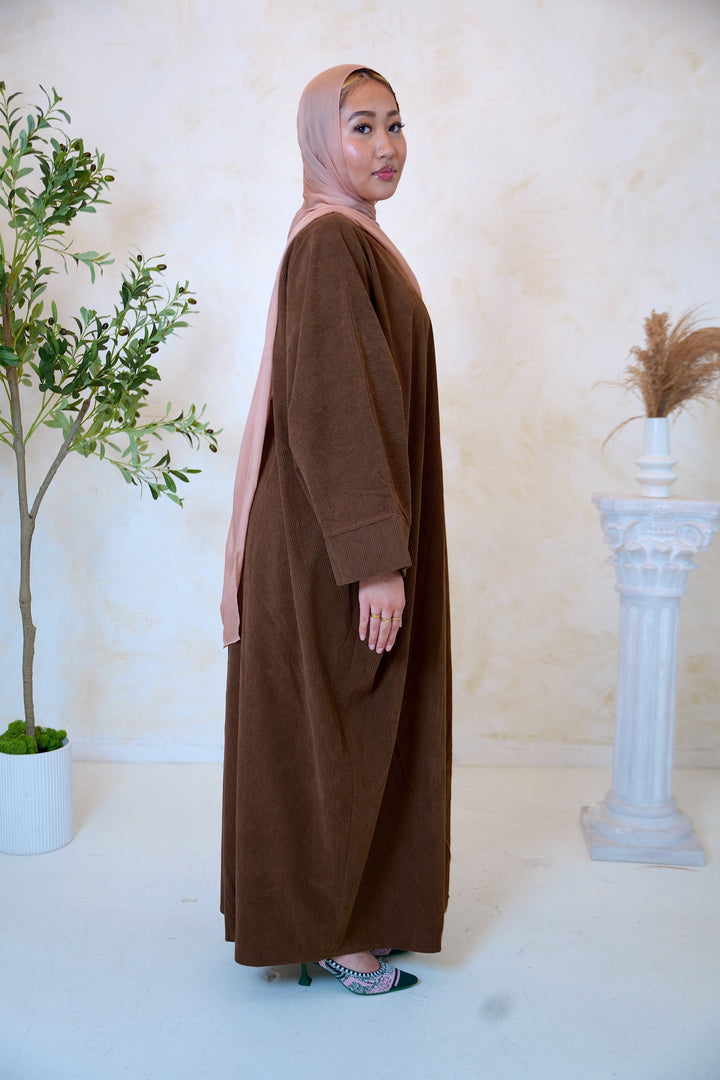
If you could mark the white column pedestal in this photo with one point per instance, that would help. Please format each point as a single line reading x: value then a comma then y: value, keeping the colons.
x: 653, y: 543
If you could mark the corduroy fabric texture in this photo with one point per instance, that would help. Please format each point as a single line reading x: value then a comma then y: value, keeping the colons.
x: 337, y: 761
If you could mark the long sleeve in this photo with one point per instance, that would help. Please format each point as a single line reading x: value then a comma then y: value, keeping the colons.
x: 346, y: 413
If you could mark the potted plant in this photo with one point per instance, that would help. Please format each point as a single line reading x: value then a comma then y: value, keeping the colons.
x: 678, y: 365
x: 89, y: 377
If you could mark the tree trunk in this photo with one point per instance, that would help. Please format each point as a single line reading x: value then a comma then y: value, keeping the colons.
x: 27, y: 527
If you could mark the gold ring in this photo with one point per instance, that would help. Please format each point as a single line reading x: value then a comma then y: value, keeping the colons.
x: 374, y: 616
x: 396, y: 618
x: 385, y: 620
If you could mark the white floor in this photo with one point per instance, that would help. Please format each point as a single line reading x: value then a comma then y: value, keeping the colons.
x: 113, y: 964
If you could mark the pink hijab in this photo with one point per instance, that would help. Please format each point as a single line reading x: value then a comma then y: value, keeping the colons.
x: 327, y: 189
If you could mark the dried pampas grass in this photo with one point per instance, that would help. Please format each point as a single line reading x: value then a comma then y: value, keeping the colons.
x: 679, y: 364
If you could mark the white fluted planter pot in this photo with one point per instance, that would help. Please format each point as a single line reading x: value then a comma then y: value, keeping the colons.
x: 655, y: 468
x: 36, y: 803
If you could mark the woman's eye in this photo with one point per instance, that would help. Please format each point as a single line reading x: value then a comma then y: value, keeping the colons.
x: 396, y: 127
x: 362, y: 129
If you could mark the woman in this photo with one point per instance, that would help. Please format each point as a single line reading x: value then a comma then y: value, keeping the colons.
x: 337, y: 766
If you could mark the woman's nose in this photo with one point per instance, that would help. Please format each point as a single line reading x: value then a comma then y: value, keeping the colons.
x: 383, y: 146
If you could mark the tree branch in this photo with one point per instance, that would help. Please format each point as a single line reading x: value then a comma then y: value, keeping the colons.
x: 60, y: 457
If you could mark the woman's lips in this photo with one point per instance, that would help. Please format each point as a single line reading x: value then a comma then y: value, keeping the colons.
x: 384, y: 174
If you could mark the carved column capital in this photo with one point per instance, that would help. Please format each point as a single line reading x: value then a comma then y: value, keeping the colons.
x: 654, y: 541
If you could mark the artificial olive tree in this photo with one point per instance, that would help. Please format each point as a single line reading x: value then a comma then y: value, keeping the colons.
x: 88, y: 375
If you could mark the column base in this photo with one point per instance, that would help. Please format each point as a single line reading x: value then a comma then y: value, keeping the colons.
x: 671, y: 842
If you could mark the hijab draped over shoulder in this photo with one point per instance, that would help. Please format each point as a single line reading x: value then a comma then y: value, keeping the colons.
x: 327, y: 189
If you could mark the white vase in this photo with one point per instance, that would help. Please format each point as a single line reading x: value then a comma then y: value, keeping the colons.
x: 36, y: 804
x: 655, y: 468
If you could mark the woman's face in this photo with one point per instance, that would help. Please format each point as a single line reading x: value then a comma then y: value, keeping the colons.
x: 373, y: 144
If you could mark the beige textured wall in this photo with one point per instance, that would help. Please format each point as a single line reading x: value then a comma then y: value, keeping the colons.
x: 562, y: 181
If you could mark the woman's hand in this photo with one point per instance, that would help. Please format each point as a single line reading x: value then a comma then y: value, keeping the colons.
x: 382, y: 600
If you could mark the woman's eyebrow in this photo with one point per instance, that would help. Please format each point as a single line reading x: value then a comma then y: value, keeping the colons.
x: 367, y: 112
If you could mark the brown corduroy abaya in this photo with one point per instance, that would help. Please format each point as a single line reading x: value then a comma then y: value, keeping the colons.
x: 337, y: 759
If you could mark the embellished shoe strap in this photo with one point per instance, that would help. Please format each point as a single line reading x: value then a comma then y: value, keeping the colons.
x: 382, y: 980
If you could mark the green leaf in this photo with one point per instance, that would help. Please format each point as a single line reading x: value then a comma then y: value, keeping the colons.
x: 8, y: 357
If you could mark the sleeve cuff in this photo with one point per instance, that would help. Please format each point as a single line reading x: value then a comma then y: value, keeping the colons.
x: 368, y: 550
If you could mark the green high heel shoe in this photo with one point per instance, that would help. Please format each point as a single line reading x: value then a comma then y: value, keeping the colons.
x: 383, y: 981
x: 304, y: 979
